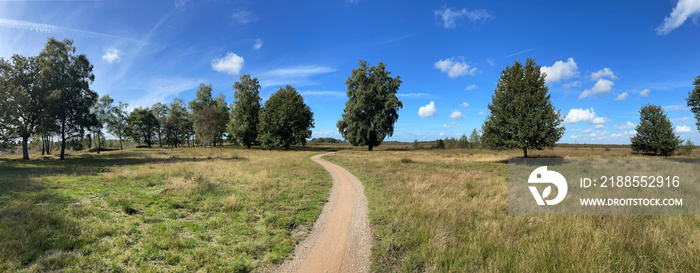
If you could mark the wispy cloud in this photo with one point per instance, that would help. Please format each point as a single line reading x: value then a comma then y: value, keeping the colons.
x: 296, y: 75
x: 323, y: 93
x: 53, y: 29
x: 258, y: 44
x: 413, y: 95
x: 521, y: 52
x: 243, y: 16
x: 683, y: 10
x: 622, y: 96
x: 449, y: 18
x: 160, y: 89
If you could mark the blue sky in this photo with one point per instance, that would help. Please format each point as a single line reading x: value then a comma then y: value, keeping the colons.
x: 604, y: 59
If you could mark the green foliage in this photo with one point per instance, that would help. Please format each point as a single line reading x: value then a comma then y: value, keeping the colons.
x: 23, y: 101
x: 522, y: 115
x: 179, y: 126
x: 322, y: 140
x: 372, y: 107
x: 160, y: 110
x: 474, y: 139
x: 245, y: 110
x: 143, y: 125
x: 118, y: 122
x: 285, y: 120
x: 209, y: 116
x: 68, y: 78
x: 464, y: 142
x: 688, y: 147
x: 655, y: 132
x: 103, y: 112
x: 693, y: 100
x: 415, y: 144
x: 440, y: 144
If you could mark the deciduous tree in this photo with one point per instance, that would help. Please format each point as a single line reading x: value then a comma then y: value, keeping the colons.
x: 372, y: 107
x: 245, y: 110
x: 143, y: 125
x: 103, y: 113
x: 654, y: 132
x: 522, y: 115
x: 285, y: 120
x: 67, y: 78
x: 118, y: 123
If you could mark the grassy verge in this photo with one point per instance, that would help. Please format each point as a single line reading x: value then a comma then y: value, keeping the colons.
x: 447, y: 211
x: 179, y: 210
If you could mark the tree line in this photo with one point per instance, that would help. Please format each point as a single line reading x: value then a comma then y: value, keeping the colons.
x: 49, y: 95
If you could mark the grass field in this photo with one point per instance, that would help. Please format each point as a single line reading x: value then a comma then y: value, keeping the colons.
x: 154, y: 210
x: 437, y: 210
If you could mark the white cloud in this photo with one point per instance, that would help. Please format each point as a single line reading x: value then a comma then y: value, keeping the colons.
x: 683, y: 119
x: 625, y: 126
x: 490, y: 62
x: 323, y: 93
x: 258, y: 44
x: 457, y: 115
x: 296, y: 75
x: 645, y: 92
x: 180, y: 3
x: 682, y: 129
x: 471, y: 87
x: 111, y: 55
x: 428, y: 110
x: 449, y: 18
x: 415, y: 95
x: 600, y: 126
x: 243, y: 16
x: 588, y: 115
x: 587, y: 131
x: 454, y: 68
x: 160, y: 89
x: 622, y: 96
x: 481, y: 113
x: 560, y: 70
x: 572, y: 84
x: 464, y: 104
x: 599, y: 120
x: 624, y: 134
x: 456, y: 124
x: 601, y: 86
x: 676, y: 108
x: 603, y: 73
x: 230, y: 64
x: 683, y: 10
x: 442, y: 134
x: 445, y: 126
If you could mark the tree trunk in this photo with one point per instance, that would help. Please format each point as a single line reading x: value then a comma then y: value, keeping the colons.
x: 63, y: 141
x: 370, y: 147
x: 98, y: 141
x: 525, y: 152
x: 43, y: 145
x: 25, y: 151
x: 121, y: 147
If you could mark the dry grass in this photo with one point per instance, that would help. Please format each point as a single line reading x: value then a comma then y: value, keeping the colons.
x: 447, y: 211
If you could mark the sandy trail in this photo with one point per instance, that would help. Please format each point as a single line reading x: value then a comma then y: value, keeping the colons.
x: 340, y: 239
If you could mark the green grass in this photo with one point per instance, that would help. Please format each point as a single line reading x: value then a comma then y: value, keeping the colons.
x: 153, y: 210
x: 447, y: 211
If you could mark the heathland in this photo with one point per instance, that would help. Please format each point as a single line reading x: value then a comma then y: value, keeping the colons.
x: 236, y: 210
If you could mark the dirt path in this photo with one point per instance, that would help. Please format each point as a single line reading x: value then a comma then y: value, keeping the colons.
x: 340, y: 239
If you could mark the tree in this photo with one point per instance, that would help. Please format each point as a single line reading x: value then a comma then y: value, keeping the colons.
x: 522, y: 115
x: 209, y: 115
x: 143, y: 125
x: 245, y: 110
x: 161, y: 112
x: 118, y: 123
x: 372, y: 107
x: 285, y: 120
x: 654, y: 132
x: 23, y: 100
x: 474, y: 139
x: 67, y: 78
x: 103, y: 112
x: 179, y: 126
x: 464, y: 142
x: 693, y: 100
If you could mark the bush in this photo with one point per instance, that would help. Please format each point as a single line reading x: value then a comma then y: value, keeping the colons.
x: 688, y: 147
x: 440, y: 144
